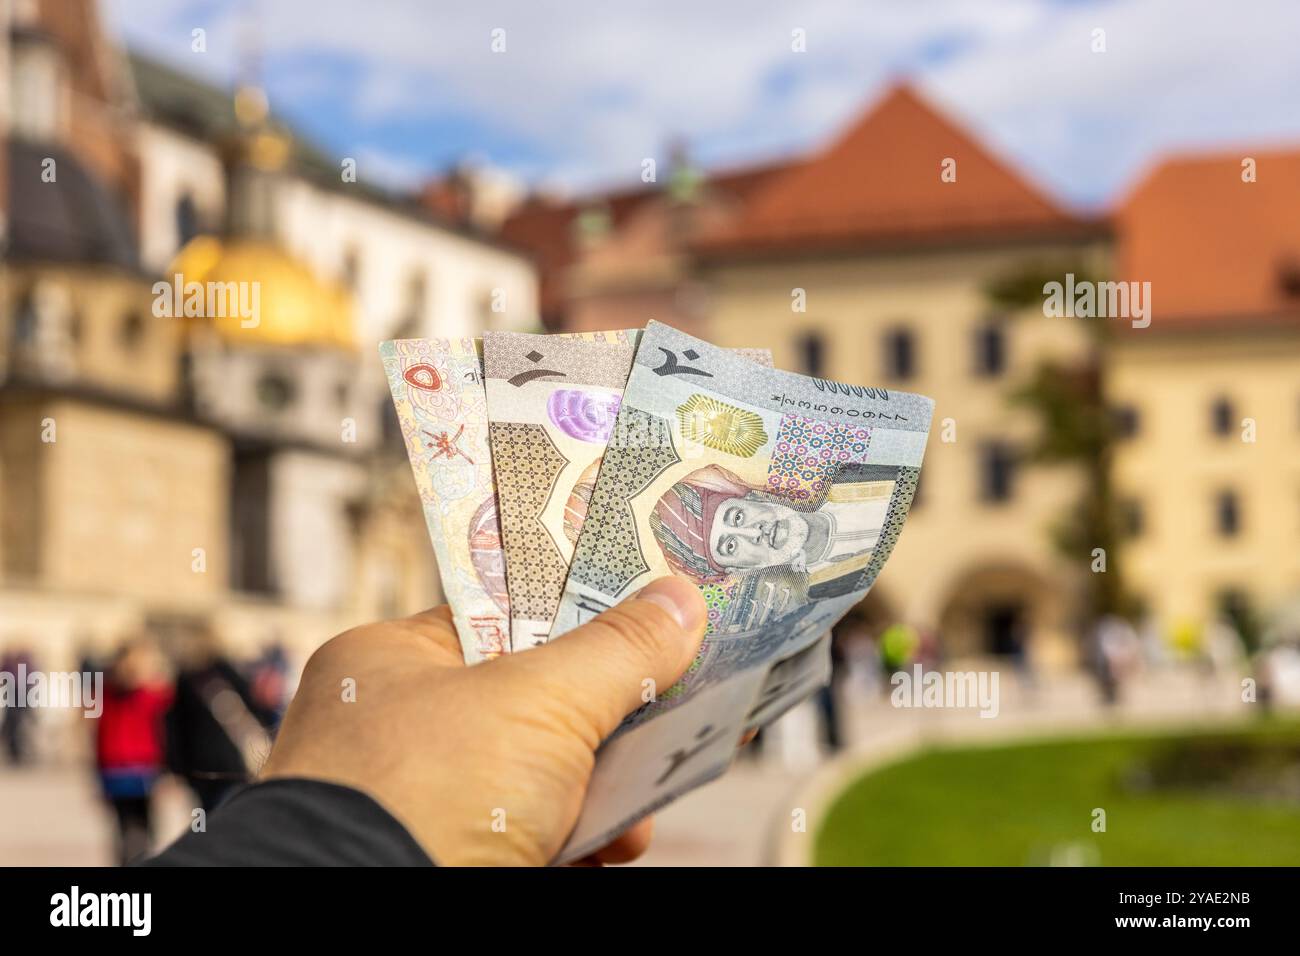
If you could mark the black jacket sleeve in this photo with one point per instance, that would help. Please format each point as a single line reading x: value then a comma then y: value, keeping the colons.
x: 297, y: 823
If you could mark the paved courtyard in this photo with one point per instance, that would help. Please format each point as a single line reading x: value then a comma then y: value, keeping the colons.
x: 50, y: 814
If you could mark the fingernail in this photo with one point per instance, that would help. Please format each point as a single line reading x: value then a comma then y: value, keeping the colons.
x: 679, y: 598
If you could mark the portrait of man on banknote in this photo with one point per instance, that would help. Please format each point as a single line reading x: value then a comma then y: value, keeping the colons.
x: 735, y: 538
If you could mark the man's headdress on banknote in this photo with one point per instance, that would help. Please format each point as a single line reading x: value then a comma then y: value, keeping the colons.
x: 682, y: 519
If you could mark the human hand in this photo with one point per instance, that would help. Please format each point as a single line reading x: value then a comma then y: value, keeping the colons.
x: 452, y: 750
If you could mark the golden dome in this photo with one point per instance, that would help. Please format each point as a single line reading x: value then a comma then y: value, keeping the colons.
x: 294, y: 306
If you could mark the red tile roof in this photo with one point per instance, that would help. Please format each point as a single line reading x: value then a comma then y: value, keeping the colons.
x: 880, y: 182
x: 1214, y: 248
x: 546, y: 228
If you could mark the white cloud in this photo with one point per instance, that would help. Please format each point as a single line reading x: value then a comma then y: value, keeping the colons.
x: 598, y: 85
x: 383, y: 169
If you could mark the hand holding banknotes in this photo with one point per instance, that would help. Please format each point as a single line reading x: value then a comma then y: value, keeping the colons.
x: 560, y: 474
x: 488, y: 764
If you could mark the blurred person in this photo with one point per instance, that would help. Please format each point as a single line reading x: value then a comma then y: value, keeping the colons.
x: 929, y: 648
x: 1116, y: 652
x: 217, y: 731
x: 1276, y: 665
x: 1186, y: 639
x: 827, y: 695
x: 1224, y: 648
x: 1155, y: 651
x: 1277, y: 672
x: 269, y: 681
x: 899, y: 646
x: 407, y: 773
x: 15, y: 721
x: 129, y: 743
x: 795, y: 739
x: 862, y: 660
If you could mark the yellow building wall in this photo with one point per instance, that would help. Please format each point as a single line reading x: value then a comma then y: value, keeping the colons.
x: 1175, y: 465
x: 116, y: 343
x: 953, y: 541
x: 125, y: 500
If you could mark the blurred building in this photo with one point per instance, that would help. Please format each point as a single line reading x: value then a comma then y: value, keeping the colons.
x: 172, y: 471
x: 1208, y: 397
x: 612, y: 261
x: 861, y: 262
x: 871, y: 262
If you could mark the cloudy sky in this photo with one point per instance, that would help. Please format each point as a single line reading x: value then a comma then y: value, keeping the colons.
x: 585, y: 90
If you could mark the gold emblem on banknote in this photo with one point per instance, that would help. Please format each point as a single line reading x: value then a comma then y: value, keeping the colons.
x: 722, y: 427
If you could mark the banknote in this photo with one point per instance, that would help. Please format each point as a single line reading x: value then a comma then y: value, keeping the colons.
x: 551, y: 405
x: 441, y: 404
x: 780, y: 496
x: 437, y: 387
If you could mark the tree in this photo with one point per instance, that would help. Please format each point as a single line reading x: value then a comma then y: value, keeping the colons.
x: 1076, y: 427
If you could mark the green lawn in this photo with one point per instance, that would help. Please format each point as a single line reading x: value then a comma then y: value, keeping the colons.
x: 1195, y: 799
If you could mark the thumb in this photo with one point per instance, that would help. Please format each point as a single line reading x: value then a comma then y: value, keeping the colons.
x: 602, y: 666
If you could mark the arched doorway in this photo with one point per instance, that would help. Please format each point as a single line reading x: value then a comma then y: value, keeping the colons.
x: 1001, y: 611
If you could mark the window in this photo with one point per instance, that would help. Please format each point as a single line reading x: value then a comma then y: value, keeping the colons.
x: 997, y: 472
x: 1288, y: 278
x: 351, y: 270
x: 1221, y: 417
x: 1132, y: 518
x: 26, y: 320
x: 900, y: 354
x: 1126, y: 421
x: 187, y: 220
x: 131, y: 332
x: 990, y: 349
x: 811, y: 354
x: 1227, y: 514
x: 275, y: 391
x: 38, y: 90
x: 250, y: 521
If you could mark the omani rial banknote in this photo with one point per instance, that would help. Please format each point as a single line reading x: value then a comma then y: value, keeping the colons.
x: 551, y: 406
x: 551, y: 403
x: 441, y: 405
x: 437, y: 387
x: 780, y: 496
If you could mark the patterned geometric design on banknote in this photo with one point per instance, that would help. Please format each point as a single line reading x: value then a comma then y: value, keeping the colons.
x: 527, y: 465
x: 608, y: 554
x: 721, y: 426
x: 717, y: 599
x: 899, y: 506
x: 804, y: 449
